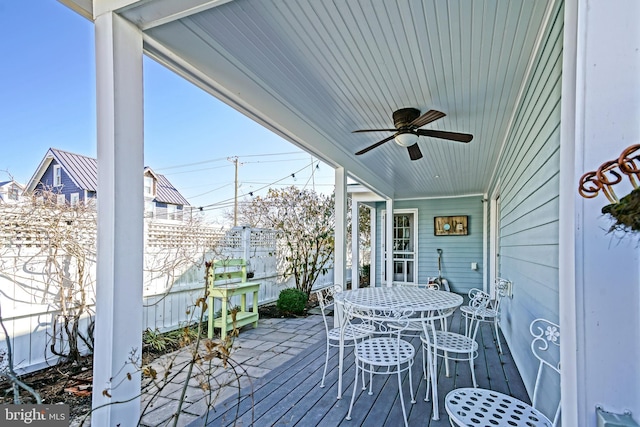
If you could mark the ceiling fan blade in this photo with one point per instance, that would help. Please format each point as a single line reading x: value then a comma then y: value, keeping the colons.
x: 428, y: 117
x: 453, y: 136
x: 374, y: 130
x: 377, y: 144
x: 414, y: 152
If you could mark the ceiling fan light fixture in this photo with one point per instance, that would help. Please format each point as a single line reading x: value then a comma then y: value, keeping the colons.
x: 406, y: 139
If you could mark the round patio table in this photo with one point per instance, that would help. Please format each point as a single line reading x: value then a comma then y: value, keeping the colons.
x: 421, y: 300
x: 411, y: 297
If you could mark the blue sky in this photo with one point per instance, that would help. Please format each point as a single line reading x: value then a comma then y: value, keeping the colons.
x: 47, y: 99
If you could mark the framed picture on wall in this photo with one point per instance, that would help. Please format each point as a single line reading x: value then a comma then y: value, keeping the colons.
x: 450, y: 225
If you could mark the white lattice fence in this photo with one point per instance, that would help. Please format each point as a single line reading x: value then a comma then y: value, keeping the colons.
x: 174, y: 276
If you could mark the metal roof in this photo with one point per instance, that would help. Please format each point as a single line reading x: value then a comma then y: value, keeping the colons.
x: 83, y: 171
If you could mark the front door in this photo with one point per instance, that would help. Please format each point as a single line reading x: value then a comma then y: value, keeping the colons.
x: 404, y: 246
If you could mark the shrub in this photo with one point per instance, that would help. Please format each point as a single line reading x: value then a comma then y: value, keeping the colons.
x: 157, y: 341
x: 292, y: 301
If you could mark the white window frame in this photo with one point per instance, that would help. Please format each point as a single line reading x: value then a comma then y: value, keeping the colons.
x: 14, y: 193
x: 149, y: 209
x: 74, y: 199
x: 414, y: 236
x: 61, y: 199
x: 148, y: 180
x: 172, y: 211
x: 57, y: 176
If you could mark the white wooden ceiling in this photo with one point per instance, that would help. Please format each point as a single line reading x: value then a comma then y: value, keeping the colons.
x: 315, y: 70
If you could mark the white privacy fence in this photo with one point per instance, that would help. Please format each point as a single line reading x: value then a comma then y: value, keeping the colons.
x: 39, y: 283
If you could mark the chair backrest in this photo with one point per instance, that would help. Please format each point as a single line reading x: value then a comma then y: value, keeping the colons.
x: 502, y: 288
x: 478, y: 303
x: 477, y: 295
x: 325, y: 298
x: 546, y: 348
x: 385, y: 321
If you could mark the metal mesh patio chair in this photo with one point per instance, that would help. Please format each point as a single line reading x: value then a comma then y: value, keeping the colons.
x: 326, y: 302
x: 381, y: 355
x: 450, y: 346
x: 492, y: 312
x: 464, y: 404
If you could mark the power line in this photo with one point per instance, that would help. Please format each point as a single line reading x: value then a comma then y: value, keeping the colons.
x: 212, y: 205
x: 221, y: 159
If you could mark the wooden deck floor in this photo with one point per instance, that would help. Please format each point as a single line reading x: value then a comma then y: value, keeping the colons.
x: 290, y: 395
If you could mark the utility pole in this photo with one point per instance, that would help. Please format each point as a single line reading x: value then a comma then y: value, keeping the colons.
x: 234, y: 159
x: 313, y: 179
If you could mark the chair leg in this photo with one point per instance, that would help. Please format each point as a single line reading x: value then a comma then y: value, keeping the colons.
x: 424, y: 364
x: 428, y: 364
x: 497, y: 335
x: 446, y: 363
x: 413, y: 398
x: 473, y: 372
x: 434, y: 387
x: 353, y: 394
x: 404, y: 411
x: 326, y: 362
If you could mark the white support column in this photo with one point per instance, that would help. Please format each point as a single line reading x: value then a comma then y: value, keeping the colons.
x: 374, y: 249
x: 355, y: 244
x: 599, y: 292
x: 389, y: 241
x: 118, y: 329
x: 339, y: 259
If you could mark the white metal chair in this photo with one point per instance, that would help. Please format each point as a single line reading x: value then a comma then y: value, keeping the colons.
x: 387, y: 354
x: 464, y: 404
x: 326, y: 302
x: 451, y: 345
x: 492, y: 312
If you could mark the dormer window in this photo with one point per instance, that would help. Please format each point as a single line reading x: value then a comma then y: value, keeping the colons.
x: 14, y: 192
x: 57, y: 176
x: 148, y: 186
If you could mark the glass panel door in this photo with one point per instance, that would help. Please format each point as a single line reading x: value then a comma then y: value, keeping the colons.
x: 404, y: 243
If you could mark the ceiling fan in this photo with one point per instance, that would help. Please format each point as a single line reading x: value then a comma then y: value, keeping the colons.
x: 407, y: 122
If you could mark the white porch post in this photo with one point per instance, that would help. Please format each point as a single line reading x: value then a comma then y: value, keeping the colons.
x: 118, y: 329
x: 599, y: 275
x: 374, y: 249
x: 389, y: 241
x: 339, y: 258
x: 355, y: 244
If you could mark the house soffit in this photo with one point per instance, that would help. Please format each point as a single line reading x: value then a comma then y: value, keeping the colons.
x: 315, y: 70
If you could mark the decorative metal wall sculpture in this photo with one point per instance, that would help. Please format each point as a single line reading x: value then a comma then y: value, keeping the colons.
x: 626, y: 211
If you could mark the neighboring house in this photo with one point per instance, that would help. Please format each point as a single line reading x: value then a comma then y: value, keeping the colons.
x: 11, y: 192
x: 73, y: 179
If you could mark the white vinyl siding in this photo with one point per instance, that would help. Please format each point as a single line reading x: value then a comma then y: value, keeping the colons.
x: 529, y: 205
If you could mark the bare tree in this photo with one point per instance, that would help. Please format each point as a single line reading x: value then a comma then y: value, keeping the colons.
x: 46, y: 251
x: 305, y: 223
